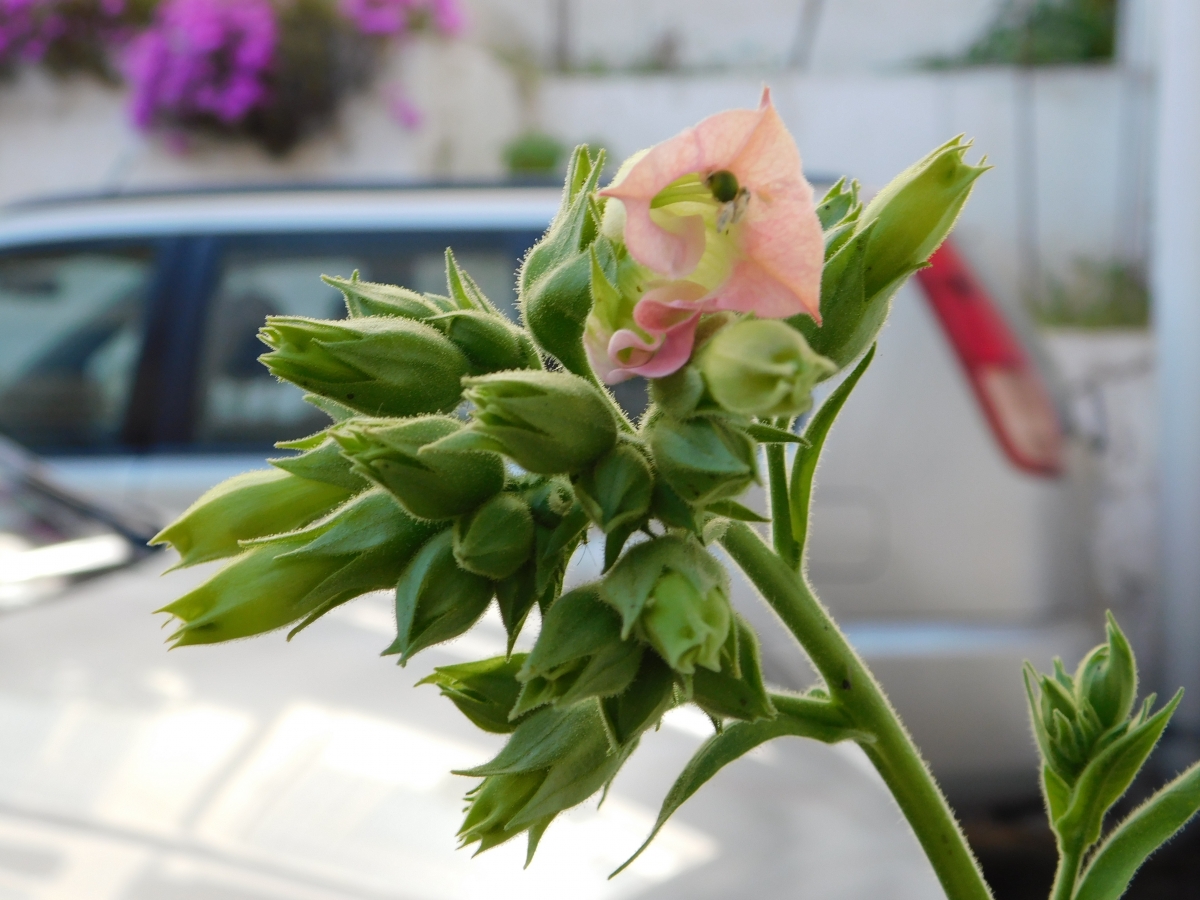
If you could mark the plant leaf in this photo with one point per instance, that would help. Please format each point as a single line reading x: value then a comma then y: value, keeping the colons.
x: 805, y: 465
x: 798, y: 716
x: 731, y: 509
x: 1108, y: 776
x: 769, y: 434
x: 1145, y: 830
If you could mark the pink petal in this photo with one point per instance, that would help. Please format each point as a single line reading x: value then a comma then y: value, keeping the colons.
x: 660, y: 356
x: 713, y: 144
x: 663, y: 308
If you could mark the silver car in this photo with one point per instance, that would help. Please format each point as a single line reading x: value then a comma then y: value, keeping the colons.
x: 948, y: 533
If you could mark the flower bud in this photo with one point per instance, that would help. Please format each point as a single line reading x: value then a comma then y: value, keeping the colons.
x: 546, y: 422
x: 675, y: 594
x: 737, y: 690
x: 703, y: 459
x: 489, y: 342
x: 360, y: 547
x: 915, y: 212
x: 496, y: 539
x: 247, y: 506
x: 555, y: 291
x: 483, y: 691
x: 616, y: 491
x: 554, y: 760
x: 437, y: 484
x: 1107, y: 678
x: 579, y: 653
x: 376, y: 365
x: 762, y: 367
x: 364, y: 298
x: 436, y: 600
x: 321, y: 459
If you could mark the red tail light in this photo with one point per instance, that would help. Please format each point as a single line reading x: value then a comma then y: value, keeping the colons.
x: 1014, y: 398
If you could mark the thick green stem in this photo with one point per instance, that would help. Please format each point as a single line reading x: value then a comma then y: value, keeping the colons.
x: 1069, y: 860
x: 852, y: 686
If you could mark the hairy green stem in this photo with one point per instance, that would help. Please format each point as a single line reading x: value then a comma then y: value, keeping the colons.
x: 852, y: 686
x: 1065, y: 877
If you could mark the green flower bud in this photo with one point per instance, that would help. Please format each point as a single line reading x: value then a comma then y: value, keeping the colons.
x: 496, y: 539
x: 546, y: 422
x: 579, y: 653
x: 915, y: 212
x: 489, y: 342
x: 675, y: 595
x: 321, y: 460
x: 250, y: 505
x: 1107, y: 678
x: 762, y: 367
x: 616, y: 491
x: 555, y: 291
x: 434, y: 484
x: 376, y: 365
x: 555, y: 759
x: 436, y: 600
x: 839, y: 205
x: 484, y: 691
x: 360, y: 547
x: 364, y: 298
x: 703, y: 459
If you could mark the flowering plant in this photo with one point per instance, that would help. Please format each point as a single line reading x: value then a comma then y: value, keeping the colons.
x: 272, y: 70
x: 467, y: 458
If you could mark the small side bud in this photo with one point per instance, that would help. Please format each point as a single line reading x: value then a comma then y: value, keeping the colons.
x: 549, y: 423
x: 489, y: 343
x: 1107, y: 678
x: 436, y: 484
x: 703, y: 459
x: 762, y: 367
x: 483, y: 691
x: 496, y: 539
x: 617, y: 490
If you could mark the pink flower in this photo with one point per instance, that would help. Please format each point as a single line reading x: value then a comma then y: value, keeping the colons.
x: 719, y: 217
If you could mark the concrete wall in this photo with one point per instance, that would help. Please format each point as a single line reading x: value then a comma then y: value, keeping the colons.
x: 1068, y: 143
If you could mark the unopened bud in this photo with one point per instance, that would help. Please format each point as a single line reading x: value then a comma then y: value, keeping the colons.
x: 703, y: 459
x: 436, y: 484
x: 546, y: 422
x: 762, y: 367
x: 496, y: 539
x: 247, y: 506
x: 616, y: 491
x: 675, y: 595
x: 915, y: 212
x: 1107, y: 678
x: 365, y: 298
x: 485, y: 691
x: 376, y: 365
x: 489, y: 343
x: 436, y: 599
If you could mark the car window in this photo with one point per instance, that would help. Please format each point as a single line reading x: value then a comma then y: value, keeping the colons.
x: 240, y: 404
x: 71, y: 325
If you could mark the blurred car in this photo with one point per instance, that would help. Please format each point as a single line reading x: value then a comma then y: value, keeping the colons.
x: 262, y: 770
x: 948, y: 519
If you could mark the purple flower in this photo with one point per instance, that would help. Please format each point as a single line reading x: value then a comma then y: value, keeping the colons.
x: 395, y: 17
x: 202, y: 57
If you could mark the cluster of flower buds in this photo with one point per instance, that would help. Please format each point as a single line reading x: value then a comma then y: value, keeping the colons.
x: 1092, y: 737
x: 468, y: 457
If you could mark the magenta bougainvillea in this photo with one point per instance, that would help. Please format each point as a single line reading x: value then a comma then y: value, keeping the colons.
x: 271, y: 70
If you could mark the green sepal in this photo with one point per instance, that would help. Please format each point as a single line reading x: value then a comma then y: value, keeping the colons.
x: 515, y: 596
x: 484, y: 691
x: 435, y: 599
x: 703, y: 459
x: 462, y: 289
x: 496, y: 539
x: 731, y: 509
x: 364, y: 298
x: 672, y: 510
x: 737, y: 691
x: 839, y: 204
x: 642, y: 704
x: 616, y: 491
x: 322, y: 460
x: 488, y: 341
x: 769, y: 434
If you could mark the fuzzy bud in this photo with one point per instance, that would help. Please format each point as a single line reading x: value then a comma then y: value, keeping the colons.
x: 376, y: 365
x: 703, y: 459
x: 429, y: 483
x: 496, y: 539
x: 616, y: 491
